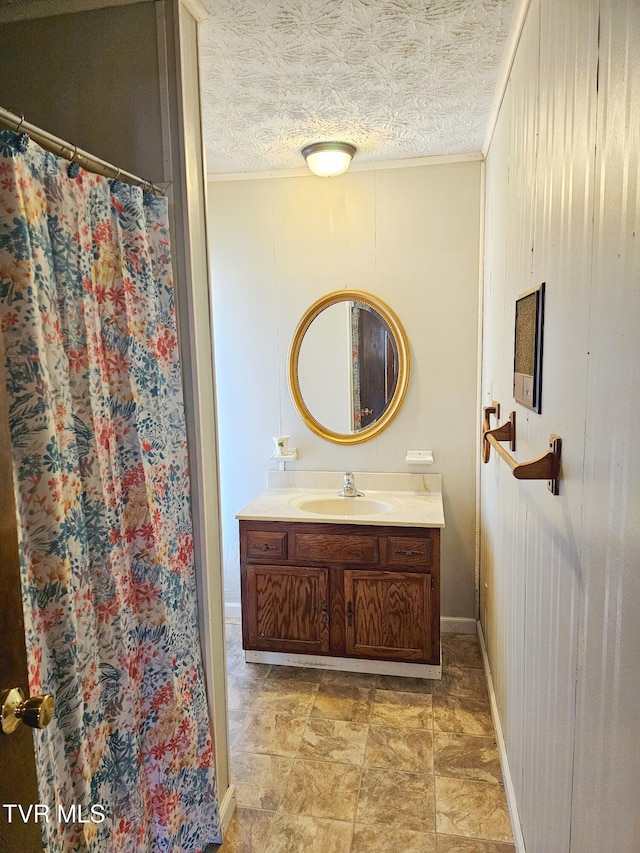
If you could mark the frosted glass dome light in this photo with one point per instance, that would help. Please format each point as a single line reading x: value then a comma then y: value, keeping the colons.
x: 328, y: 159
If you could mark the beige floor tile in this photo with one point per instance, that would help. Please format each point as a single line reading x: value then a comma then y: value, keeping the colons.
x: 321, y: 789
x: 285, y: 696
x: 236, y: 719
x: 276, y: 730
x: 354, y: 679
x: 297, y: 673
x: 260, y: 780
x: 405, y: 684
x: 464, y: 714
x: 235, y: 659
x: 461, y: 681
x: 453, y: 844
x: 247, y: 832
x: 393, y: 708
x: 236, y: 664
x: 242, y: 692
x: 466, y: 757
x: 233, y: 637
x: 374, y: 838
x: 342, y: 702
x: 304, y: 834
x: 461, y: 650
x: 272, y: 734
x: 235, y: 656
x: 400, y: 801
x: 334, y: 740
x: 476, y: 809
x: 406, y: 749
x: 239, y: 670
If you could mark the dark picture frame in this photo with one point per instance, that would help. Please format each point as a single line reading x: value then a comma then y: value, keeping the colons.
x: 527, y: 350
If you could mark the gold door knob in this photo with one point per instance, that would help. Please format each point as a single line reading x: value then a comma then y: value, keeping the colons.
x: 36, y: 712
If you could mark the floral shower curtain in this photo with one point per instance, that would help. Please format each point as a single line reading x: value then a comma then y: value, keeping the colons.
x: 102, y: 490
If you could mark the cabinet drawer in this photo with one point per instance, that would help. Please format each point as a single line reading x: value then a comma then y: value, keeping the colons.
x: 266, y: 544
x: 408, y: 551
x: 335, y: 548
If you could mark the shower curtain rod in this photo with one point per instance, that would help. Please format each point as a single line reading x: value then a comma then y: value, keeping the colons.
x: 72, y: 152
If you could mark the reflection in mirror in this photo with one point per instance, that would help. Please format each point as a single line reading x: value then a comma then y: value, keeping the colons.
x: 348, y: 366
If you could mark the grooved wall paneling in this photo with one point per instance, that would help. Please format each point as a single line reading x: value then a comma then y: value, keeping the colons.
x: 559, y: 574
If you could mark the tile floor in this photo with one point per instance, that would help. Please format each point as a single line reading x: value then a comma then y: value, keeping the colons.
x: 337, y: 762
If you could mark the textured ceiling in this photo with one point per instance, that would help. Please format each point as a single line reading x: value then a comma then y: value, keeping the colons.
x: 397, y: 78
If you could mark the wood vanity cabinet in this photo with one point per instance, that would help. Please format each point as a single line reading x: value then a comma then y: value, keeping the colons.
x: 346, y: 590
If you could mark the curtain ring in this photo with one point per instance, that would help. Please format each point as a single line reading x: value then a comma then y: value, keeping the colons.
x: 21, y: 123
x: 73, y: 169
x: 117, y: 177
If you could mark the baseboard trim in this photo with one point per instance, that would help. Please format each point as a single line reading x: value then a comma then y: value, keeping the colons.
x: 509, y: 790
x: 227, y: 808
x: 448, y: 624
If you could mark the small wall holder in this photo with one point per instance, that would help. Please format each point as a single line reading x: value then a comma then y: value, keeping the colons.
x: 282, y: 444
x: 419, y: 457
x: 283, y: 453
x: 545, y: 467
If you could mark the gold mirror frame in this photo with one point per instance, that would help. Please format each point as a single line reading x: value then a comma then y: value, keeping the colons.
x: 404, y: 366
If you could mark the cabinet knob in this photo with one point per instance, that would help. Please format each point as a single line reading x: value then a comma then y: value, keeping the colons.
x: 264, y: 547
x: 407, y: 553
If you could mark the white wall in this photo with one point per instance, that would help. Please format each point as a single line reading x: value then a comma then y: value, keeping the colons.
x: 560, y: 587
x: 408, y: 235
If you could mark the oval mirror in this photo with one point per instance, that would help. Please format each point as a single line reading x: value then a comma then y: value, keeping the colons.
x: 348, y: 366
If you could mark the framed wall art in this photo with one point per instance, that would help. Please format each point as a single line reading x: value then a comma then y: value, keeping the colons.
x: 527, y: 358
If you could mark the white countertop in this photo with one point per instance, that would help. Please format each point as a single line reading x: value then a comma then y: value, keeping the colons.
x: 405, y: 500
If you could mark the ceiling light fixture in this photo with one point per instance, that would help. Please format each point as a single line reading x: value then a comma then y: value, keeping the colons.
x: 328, y: 159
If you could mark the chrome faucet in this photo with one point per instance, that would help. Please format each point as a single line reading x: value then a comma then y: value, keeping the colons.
x: 349, y: 487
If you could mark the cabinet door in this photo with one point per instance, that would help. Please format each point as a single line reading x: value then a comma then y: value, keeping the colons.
x: 388, y: 614
x: 288, y: 608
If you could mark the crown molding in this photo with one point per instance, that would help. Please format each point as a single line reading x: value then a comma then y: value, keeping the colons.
x: 303, y: 172
x: 508, y: 57
x: 196, y: 9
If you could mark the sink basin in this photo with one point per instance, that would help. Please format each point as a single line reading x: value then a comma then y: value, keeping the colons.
x: 343, y: 506
x: 399, y: 500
